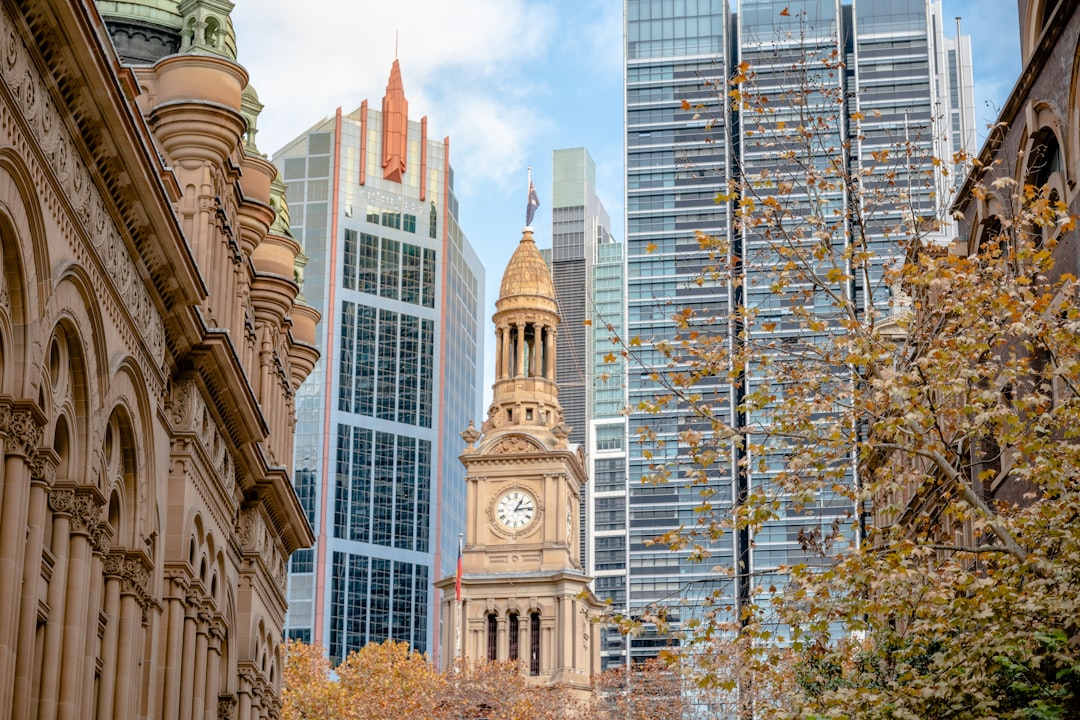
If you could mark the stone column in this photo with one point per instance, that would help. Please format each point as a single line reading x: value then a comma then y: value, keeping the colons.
x: 100, y: 544
x: 20, y: 428
x: 187, y: 662
x: 84, y: 519
x: 114, y: 566
x: 549, y: 354
x: 62, y: 503
x: 519, y: 351
x: 244, y: 691
x: 500, y: 352
x: 176, y: 591
x: 134, y: 579
x: 213, y: 667
x: 202, y: 643
x: 42, y: 476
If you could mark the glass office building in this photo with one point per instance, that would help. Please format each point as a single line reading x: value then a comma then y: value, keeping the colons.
x: 401, y: 374
x: 684, y: 144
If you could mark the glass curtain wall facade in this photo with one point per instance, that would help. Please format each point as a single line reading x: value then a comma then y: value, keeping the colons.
x: 401, y: 294
x: 685, y: 50
x: 580, y: 226
x: 588, y: 272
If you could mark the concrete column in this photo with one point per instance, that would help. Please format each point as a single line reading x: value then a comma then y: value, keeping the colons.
x: 42, y: 477
x: 21, y: 429
x: 174, y: 644
x: 61, y: 502
x: 76, y: 613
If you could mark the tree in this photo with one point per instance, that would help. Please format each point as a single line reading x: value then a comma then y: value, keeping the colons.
x: 645, y: 691
x: 388, y: 680
x: 933, y: 393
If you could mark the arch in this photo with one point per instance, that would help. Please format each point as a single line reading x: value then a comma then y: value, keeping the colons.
x: 21, y: 226
x: 75, y: 298
x: 1039, y: 14
x: 130, y: 417
x: 212, y: 33
x: 1044, y: 167
x: 492, y: 625
x: 534, y: 642
x: 64, y: 392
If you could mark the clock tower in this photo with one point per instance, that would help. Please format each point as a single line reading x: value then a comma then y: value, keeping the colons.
x: 523, y: 593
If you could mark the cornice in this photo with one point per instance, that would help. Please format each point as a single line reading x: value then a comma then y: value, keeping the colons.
x: 112, y: 138
x: 1018, y: 97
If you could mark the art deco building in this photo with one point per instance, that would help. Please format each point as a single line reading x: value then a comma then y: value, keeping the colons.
x: 523, y: 594
x: 893, y: 76
x: 151, y: 344
x: 400, y: 290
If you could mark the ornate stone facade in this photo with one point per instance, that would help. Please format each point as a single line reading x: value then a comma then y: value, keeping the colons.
x: 151, y: 344
x: 1035, y: 141
x: 524, y: 595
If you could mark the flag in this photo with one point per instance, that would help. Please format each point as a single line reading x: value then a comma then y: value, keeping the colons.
x: 534, y: 202
x: 457, y: 579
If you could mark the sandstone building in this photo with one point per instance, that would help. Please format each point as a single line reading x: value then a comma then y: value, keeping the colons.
x: 522, y: 593
x: 1035, y: 141
x: 151, y: 344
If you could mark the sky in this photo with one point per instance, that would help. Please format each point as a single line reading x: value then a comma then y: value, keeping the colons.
x: 508, y: 81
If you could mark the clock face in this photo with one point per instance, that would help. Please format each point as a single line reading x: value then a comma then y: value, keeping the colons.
x: 515, y: 509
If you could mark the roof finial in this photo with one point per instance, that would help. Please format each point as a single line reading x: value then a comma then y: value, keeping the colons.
x: 395, y: 44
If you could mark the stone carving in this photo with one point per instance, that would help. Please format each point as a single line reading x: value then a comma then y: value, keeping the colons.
x: 226, y: 707
x: 43, y: 470
x: 24, y: 434
x: 101, y: 538
x: 61, y: 502
x: 113, y: 564
x: 470, y: 435
x: 135, y: 577
x: 84, y: 514
x: 180, y: 402
x: 51, y: 134
x: 515, y: 444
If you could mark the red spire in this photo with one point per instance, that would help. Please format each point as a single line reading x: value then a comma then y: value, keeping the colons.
x: 395, y: 110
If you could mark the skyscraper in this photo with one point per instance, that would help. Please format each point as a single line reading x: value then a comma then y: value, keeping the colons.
x: 893, y: 76
x: 587, y: 271
x: 377, y: 442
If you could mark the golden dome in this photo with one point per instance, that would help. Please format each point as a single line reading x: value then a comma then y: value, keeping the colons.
x: 527, y: 273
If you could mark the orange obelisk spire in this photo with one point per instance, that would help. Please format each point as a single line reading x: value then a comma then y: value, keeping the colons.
x: 395, y: 109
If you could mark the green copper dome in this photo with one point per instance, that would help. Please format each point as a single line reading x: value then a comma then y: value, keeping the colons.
x: 144, y: 31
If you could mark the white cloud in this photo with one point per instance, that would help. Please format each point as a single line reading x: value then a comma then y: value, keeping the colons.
x: 306, y: 60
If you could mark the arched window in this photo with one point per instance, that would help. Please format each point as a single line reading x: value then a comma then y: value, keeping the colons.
x: 534, y: 643
x: 492, y: 637
x: 514, y: 630
x: 1048, y: 8
x: 1044, y: 159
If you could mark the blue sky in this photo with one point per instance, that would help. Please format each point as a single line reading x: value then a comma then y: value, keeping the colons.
x: 508, y: 81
